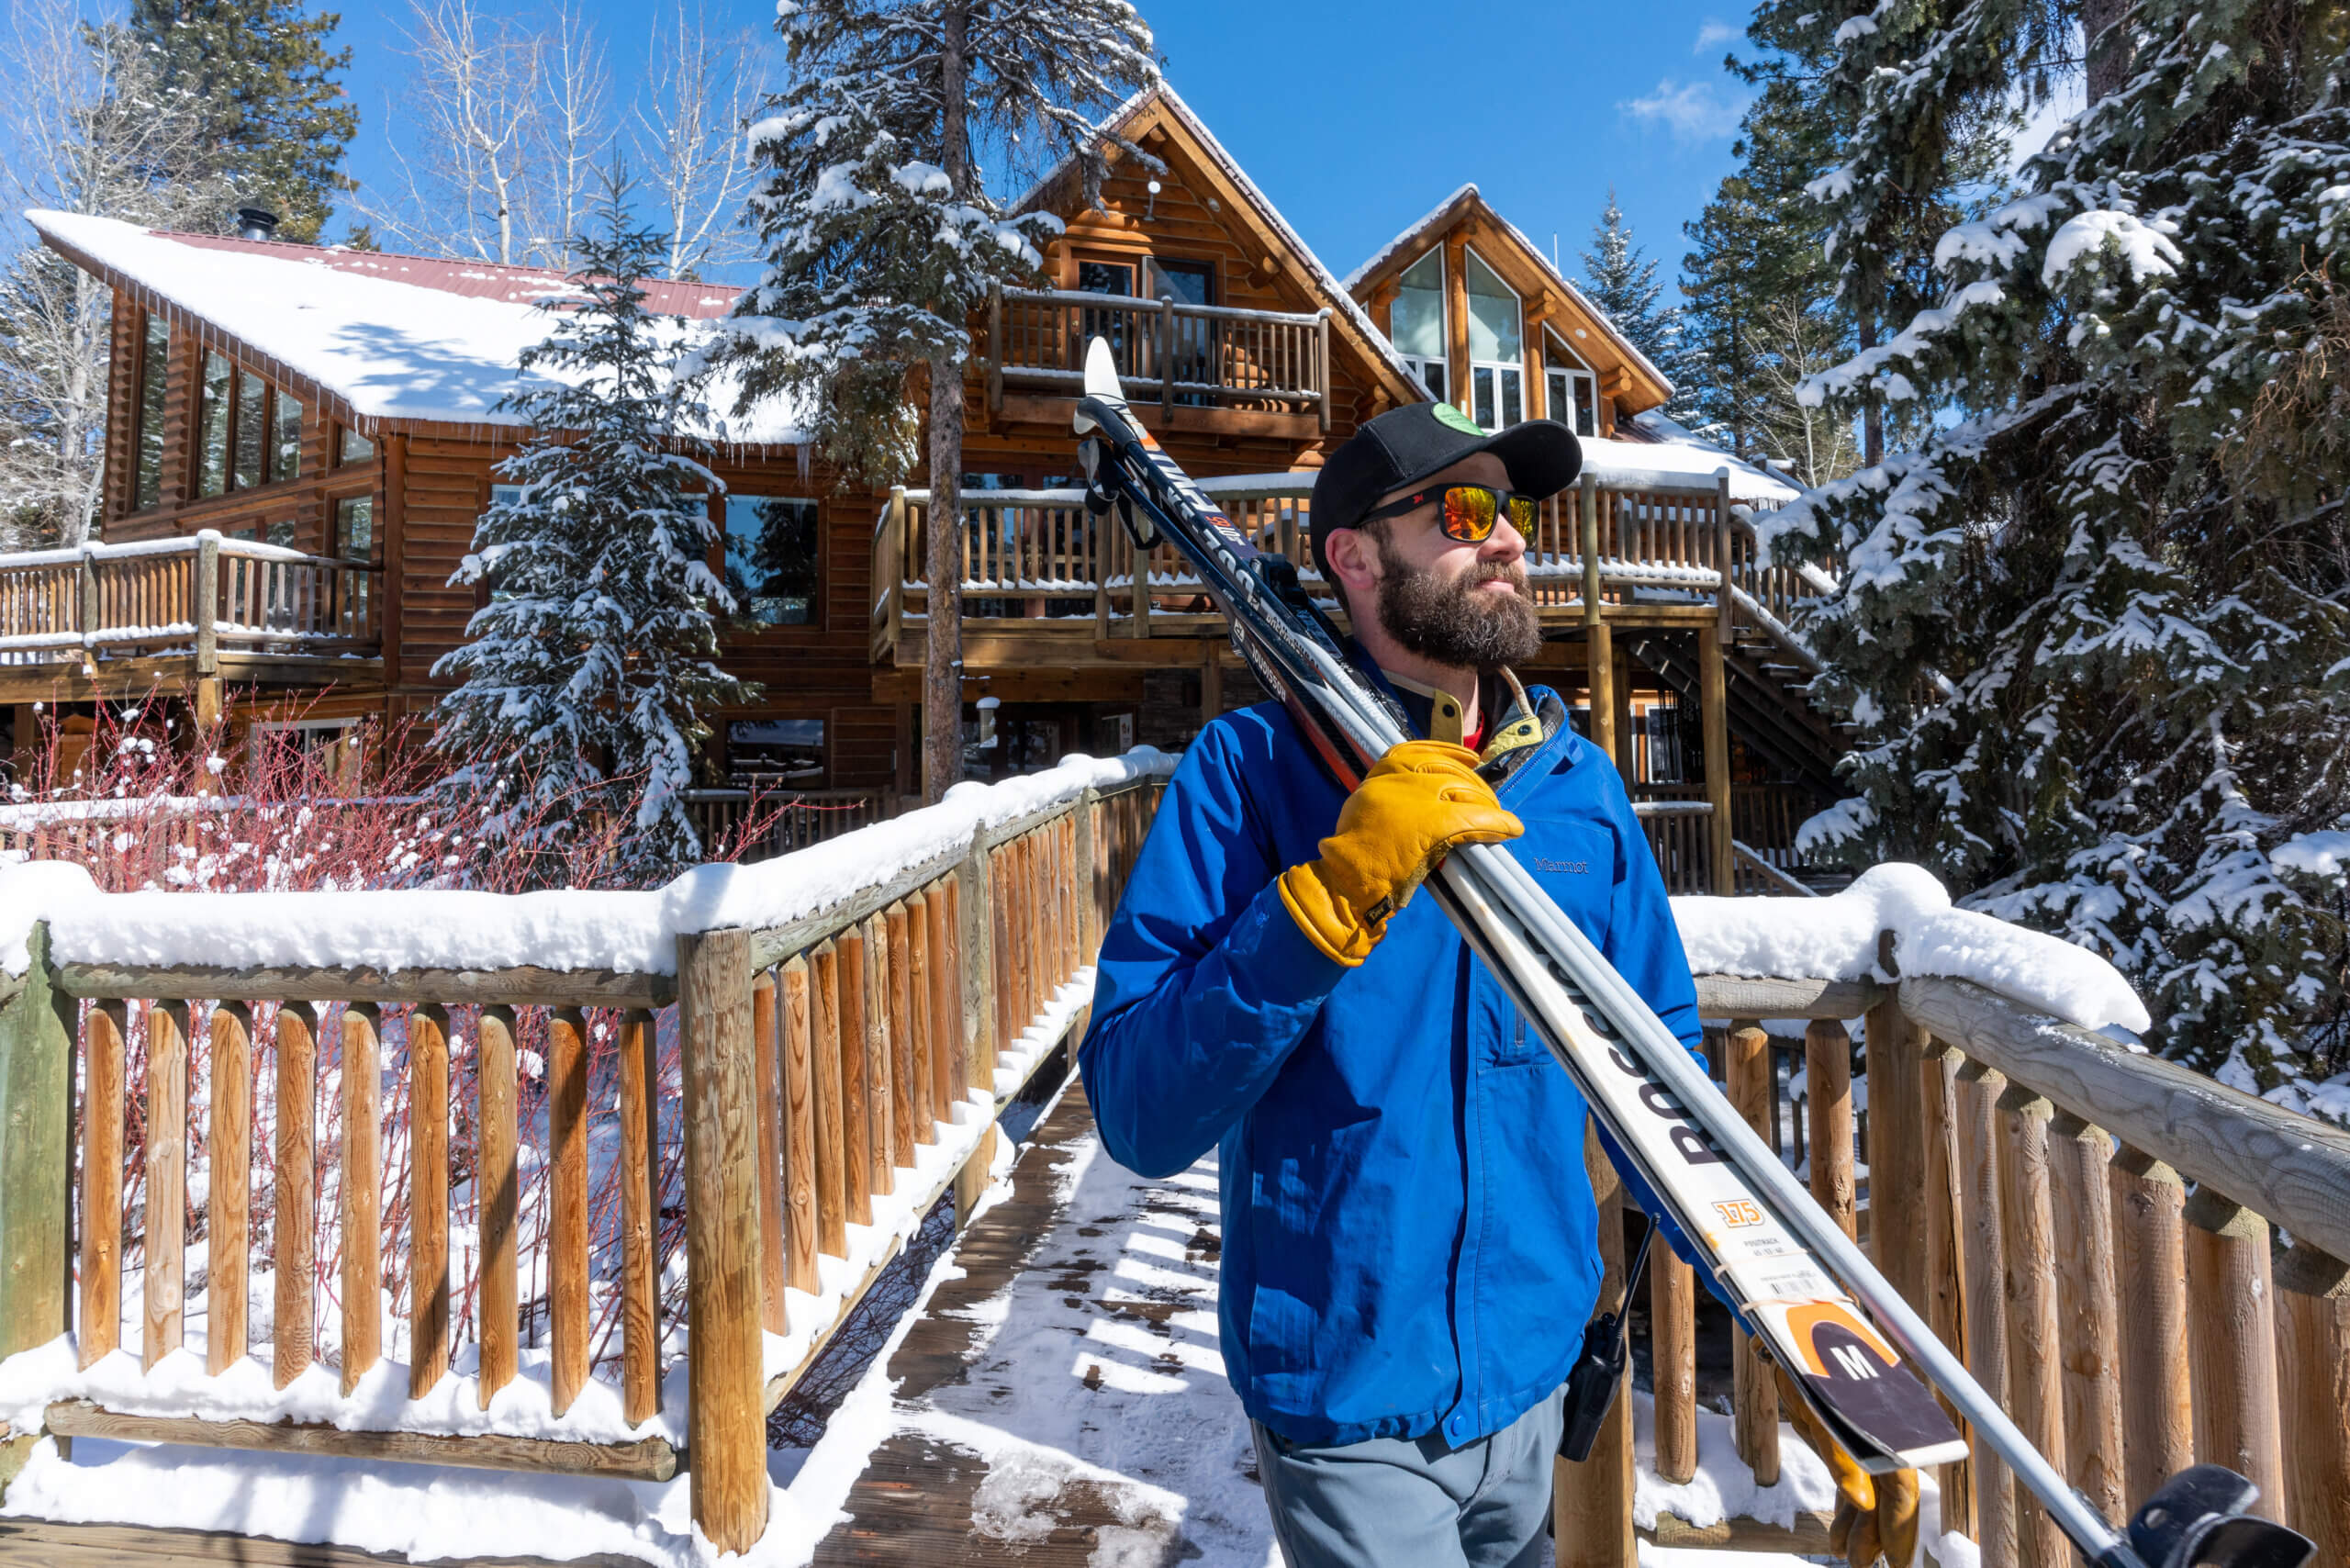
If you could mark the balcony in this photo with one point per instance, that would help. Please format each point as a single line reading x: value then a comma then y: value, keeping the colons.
x: 1184, y: 366
x: 106, y: 621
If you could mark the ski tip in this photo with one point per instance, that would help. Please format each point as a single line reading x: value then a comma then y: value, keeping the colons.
x: 1101, y: 371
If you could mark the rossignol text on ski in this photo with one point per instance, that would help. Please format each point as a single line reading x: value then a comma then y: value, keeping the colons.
x: 1847, y: 1338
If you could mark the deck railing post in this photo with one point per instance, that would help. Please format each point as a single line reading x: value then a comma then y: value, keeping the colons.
x: 1592, y: 1499
x: 1754, y: 1397
x: 2314, y: 1354
x: 976, y: 1038
x: 1598, y: 653
x: 205, y: 609
x: 2230, y: 1344
x: 36, y: 1038
x: 1322, y: 369
x: 725, y: 1414
x: 2088, y: 1314
x: 2034, y: 1392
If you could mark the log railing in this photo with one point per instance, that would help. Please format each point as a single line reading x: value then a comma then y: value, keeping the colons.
x: 473, y: 1181
x: 2101, y: 1235
x: 782, y: 819
x: 100, y: 602
x: 1030, y: 554
x: 1173, y: 353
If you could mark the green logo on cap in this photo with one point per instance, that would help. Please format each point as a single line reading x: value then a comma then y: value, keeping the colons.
x: 1447, y: 415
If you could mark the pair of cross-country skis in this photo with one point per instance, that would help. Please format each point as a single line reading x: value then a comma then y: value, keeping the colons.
x: 1846, y: 1336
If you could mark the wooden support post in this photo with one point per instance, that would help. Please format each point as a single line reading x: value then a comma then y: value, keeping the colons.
x: 1714, y: 700
x: 2088, y: 1313
x: 927, y: 1085
x: 906, y: 1094
x: 856, y: 1098
x: 1726, y: 618
x: 1946, y: 1305
x: 944, y: 999
x: 104, y: 1110
x: 1755, y: 1398
x: 498, y: 1184
x: 879, y: 1068
x: 2231, y: 1345
x: 1211, y: 687
x: 800, y: 1132
x: 2036, y: 1393
x: 1983, y: 1240
x: 827, y: 1072
x: 2150, y: 1252
x: 640, y: 1205
x: 205, y: 611
x: 1090, y: 848
x: 362, y: 1177
x: 2314, y: 1363
x: 294, y: 1190
x: 1592, y: 1500
x: 1599, y: 653
x: 1620, y: 683
x: 1828, y: 1068
x: 1897, y: 1149
x: 567, y: 1235
x: 167, y: 1025
x: 767, y: 1077
x: 227, y: 1204
x: 1673, y: 1319
x: 726, y: 1421
x: 428, y: 1199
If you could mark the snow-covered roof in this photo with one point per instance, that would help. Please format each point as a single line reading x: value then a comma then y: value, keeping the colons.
x: 1663, y: 451
x: 394, y: 338
x: 1437, y: 214
x: 1320, y: 278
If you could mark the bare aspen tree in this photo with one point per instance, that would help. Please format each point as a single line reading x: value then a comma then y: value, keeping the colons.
x: 699, y: 90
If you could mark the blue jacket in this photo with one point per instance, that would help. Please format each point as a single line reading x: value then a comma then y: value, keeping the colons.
x: 1407, y: 1225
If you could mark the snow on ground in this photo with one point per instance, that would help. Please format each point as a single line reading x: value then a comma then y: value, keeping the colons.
x: 632, y: 933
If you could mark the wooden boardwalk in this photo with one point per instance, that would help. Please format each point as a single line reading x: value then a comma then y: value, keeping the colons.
x: 982, y: 1461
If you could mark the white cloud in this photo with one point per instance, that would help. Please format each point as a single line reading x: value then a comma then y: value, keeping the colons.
x: 1695, y: 111
x: 1712, y: 33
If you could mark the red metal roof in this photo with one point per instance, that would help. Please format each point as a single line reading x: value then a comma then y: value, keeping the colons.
x: 481, y: 280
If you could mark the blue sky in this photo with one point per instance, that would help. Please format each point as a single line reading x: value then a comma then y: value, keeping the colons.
x: 1357, y: 117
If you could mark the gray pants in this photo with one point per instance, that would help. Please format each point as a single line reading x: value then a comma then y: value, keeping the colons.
x: 1414, y: 1501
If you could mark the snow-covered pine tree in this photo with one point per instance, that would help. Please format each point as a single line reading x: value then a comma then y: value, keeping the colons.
x: 1620, y: 279
x: 585, y: 680
x: 260, y: 80
x: 883, y: 234
x: 2098, y: 633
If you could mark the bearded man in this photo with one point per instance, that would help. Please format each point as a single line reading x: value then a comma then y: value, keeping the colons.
x: 1408, y: 1254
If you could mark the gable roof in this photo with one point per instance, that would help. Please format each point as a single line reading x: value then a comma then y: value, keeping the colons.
x: 1462, y: 203
x: 1350, y: 317
x: 385, y: 342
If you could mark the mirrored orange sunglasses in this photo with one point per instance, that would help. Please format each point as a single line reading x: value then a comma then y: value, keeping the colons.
x: 1469, y: 511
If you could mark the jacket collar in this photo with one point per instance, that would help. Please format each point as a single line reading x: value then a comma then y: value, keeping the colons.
x: 1520, y: 722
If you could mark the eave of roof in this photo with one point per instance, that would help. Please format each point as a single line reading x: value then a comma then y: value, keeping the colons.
x: 1442, y: 214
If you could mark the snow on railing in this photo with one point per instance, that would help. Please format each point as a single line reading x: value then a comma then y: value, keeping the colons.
x: 580, y: 1169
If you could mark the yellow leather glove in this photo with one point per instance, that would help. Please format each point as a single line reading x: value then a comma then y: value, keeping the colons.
x: 1875, y: 1514
x: 1417, y: 802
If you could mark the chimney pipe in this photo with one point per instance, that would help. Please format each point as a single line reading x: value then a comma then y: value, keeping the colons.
x: 256, y: 223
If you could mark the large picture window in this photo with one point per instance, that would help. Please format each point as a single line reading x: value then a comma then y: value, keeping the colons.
x: 1573, y: 391
x: 771, y: 559
x: 1496, y: 349
x: 1416, y: 320
x: 216, y: 402
x: 154, y: 369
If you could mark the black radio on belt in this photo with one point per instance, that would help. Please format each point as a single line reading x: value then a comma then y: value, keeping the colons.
x: 1607, y: 1341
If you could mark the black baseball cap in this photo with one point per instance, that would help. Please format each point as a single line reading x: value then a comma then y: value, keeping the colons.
x: 1404, y: 446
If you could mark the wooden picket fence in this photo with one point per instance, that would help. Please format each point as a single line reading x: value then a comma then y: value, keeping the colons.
x: 816, y: 1060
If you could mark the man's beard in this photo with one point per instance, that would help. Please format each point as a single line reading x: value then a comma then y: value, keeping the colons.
x: 1460, y: 624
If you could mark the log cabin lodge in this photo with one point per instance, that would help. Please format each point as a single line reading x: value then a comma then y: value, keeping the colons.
x: 302, y: 438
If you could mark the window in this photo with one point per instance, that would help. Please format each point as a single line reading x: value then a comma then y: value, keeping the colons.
x: 1104, y: 277
x: 771, y: 545
x: 1112, y: 324
x: 354, y: 528
x: 1186, y: 283
x: 286, y: 459
x: 353, y: 447
x: 782, y: 751
x: 1497, y: 353
x: 213, y: 408
x: 502, y: 496
x: 1573, y: 390
x: 1416, y: 320
x: 253, y: 431
x: 154, y: 364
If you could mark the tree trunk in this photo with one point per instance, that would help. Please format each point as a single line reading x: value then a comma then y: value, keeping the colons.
x: 2110, y: 56
x: 1873, y: 409
x: 941, y: 678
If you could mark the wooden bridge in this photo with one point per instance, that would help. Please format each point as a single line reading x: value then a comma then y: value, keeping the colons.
x: 598, y: 1222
